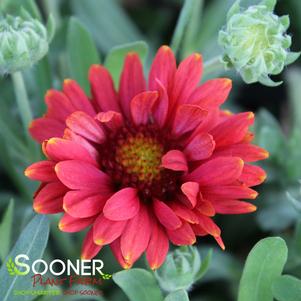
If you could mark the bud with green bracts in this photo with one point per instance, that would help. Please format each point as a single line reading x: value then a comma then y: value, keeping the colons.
x: 180, y: 269
x: 23, y: 42
x: 255, y: 42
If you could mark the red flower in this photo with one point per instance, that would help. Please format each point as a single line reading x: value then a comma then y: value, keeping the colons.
x: 146, y: 165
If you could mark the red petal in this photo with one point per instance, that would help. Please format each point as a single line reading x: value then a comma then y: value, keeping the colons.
x: 83, y: 203
x: 229, y: 192
x: 222, y: 170
x: 112, y: 120
x: 81, y: 175
x: 233, y: 129
x: 70, y: 135
x: 59, y: 149
x: 174, y: 160
x: 141, y: 107
x: 200, y: 147
x: 102, y: 88
x: 89, y: 248
x: 122, y: 205
x: 41, y: 171
x: 69, y: 223
x: 212, y: 93
x: 220, y: 242
x: 209, y: 226
x: 252, y: 175
x: 132, y: 81
x: 49, y: 198
x: 187, y: 118
x: 166, y: 215
x: 106, y: 231
x: 44, y: 128
x: 115, y: 247
x: 184, y: 213
x: 248, y: 152
x: 58, y: 104
x: 135, y: 238
x: 191, y: 190
x: 163, y: 69
x: 187, y: 77
x: 205, y: 208
x: 84, y: 125
x: 182, y: 236
x: 233, y: 207
x: 161, y: 106
x: 78, y: 97
x: 157, y: 248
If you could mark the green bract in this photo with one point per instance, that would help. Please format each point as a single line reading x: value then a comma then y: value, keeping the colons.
x: 23, y: 42
x: 255, y: 42
x: 180, y: 269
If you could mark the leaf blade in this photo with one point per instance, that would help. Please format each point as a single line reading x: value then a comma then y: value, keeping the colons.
x: 81, y: 53
x: 138, y: 284
x: 37, y: 230
x: 264, y: 264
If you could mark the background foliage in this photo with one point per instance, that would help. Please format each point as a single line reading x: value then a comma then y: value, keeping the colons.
x: 94, y: 31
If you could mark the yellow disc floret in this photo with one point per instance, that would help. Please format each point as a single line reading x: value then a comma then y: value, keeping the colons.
x: 140, y: 155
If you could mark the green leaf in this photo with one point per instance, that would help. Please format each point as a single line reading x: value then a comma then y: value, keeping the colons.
x: 292, y: 57
x: 115, y: 58
x: 81, y: 53
x: 50, y: 28
x: 185, y: 15
x: 179, y: 295
x: 107, y: 22
x: 138, y: 284
x: 6, y: 230
x: 13, y: 6
x: 264, y: 264
x: 204, y: 266
x: 31, y: 242
x: 287, y: 288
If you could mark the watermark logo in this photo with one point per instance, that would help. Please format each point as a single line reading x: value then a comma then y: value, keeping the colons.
x: 81, y: 267
x: 12, y: 269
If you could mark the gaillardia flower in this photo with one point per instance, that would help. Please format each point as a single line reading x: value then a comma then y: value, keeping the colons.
x: 147, y: 164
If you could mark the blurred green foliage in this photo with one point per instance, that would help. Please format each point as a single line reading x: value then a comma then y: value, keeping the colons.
x: 103, y: 24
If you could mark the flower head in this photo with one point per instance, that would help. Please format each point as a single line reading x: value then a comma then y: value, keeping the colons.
x: 255, y: 42
x: 23, y: 42
x: 147, y: 164
x: 180, y: 269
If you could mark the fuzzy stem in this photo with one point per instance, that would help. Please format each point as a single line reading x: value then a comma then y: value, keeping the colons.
x: 24, y: 109
x: 213, y: 65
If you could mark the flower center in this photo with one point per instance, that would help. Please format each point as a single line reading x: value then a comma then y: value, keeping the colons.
x: 140, y: 155
x: 132, y: 158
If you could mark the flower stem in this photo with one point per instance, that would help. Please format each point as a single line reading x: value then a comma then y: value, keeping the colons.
x: 213, y: 65
x: 181, y: 26
x: 24, y: 108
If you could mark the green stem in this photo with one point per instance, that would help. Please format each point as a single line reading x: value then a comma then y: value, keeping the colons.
x: 213, y: 65
x: 181, y: 26
x: 22, y: 100
x: 24, y: 109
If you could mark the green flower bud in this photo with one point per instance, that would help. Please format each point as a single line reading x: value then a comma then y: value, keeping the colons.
x: 180, y: 269
x: 23, y: 42
x: 255, y: 42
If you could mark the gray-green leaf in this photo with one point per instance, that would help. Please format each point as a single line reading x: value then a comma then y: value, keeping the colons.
x: 115, y: 58
x: 138, y: 284
x: 179, y: 295
x: 5, y: 230
x: 264, y: 264
x: 32, y: 242
x: 287, y: 288
x: 81, y: 53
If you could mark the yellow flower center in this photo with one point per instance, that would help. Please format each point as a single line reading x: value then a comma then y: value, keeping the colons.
x: 140, y: 155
